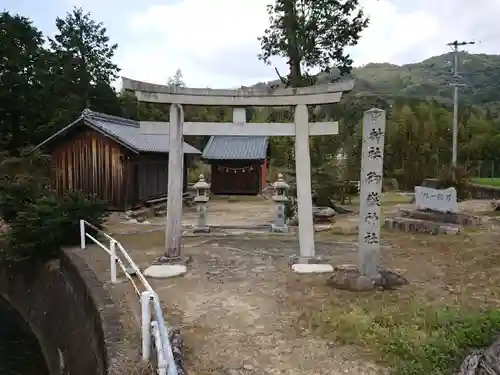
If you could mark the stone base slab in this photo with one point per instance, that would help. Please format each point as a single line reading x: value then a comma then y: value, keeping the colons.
x: 279, y: 228
x: 298, y: 259
x: 163, y: 271
x: 302, y: 268
x: 201, y: 229
x: 348, y: 277
x: 405, y: 224
x: 457, y: 218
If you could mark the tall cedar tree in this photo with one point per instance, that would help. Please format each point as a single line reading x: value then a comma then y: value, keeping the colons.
x: 85, y: 54
x: 312, y: 34
x: 22, y: 71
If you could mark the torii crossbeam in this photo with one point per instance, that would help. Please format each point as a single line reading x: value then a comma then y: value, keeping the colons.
x: 301, y: 129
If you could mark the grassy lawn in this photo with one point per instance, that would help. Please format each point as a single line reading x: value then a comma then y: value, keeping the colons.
x: 429, y: 326
x: 487, y: 181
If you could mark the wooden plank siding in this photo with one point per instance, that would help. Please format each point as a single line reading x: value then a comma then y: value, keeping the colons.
x: 150, y: 173
x: 93, y: 163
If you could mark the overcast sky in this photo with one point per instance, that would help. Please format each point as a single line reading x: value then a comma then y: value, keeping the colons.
x: 214, y: 42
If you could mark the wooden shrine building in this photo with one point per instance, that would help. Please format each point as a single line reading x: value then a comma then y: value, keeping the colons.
x: 238, y: 163
x: 110, y: 157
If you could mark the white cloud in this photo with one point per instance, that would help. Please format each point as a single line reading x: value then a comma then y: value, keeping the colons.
x: 392, y: 34
x: 215, y: 42
x: 190, y: 34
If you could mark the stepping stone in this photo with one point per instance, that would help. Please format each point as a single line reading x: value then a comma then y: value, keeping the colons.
x: 164, y: 271
x: 312, y: 268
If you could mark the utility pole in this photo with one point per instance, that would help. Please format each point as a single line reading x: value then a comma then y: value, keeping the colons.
x: 455, y: 84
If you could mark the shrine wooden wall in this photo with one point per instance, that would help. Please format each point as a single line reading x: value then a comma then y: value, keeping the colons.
x: 92, y: 163
x: 238, y: 177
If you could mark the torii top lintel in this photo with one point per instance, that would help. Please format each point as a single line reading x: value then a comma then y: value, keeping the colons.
x: 319, y: 94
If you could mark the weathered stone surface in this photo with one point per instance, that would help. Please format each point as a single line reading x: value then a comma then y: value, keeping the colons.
x: 419, y: 226
x: 297, y: 259
x: 320, y: 215
x: 441, y: 200
x: 441, y: 217
x: 341, y: 210
x: 495, y: 205
x: 323, y: 214
x: 349, y: 278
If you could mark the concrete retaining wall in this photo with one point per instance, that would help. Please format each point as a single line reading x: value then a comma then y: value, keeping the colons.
x: 69, y: 311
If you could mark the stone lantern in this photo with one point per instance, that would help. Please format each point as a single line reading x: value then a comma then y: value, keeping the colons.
x: 201, y: 200
x: 280, y: 198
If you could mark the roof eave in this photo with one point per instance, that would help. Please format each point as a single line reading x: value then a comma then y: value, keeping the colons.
x: 57, y: 134
x: 107, y: 134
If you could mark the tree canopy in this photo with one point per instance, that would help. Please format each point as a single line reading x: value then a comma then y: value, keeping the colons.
x: 44, y: 87
x: 312, y: 34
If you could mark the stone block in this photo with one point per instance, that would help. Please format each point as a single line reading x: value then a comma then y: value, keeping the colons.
x: 348, y: 277
x: 297, y: 259
x: 457, y: 218
x: 405, y: 224
x: 495, y: 205
x: 442, y: 200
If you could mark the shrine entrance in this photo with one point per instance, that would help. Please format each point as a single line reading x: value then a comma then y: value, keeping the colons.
x: 301, y: 129
x: 236, y: 178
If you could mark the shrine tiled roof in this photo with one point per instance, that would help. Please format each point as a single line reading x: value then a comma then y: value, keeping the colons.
x: 223, y: 147
x: 122, y: 130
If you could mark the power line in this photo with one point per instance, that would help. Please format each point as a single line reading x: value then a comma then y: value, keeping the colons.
x: 456, y: 84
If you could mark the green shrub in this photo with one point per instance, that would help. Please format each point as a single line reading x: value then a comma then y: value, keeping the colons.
x: 459, y: 178
x: 39, y: 222
x: 43, y: 227
x: 22, y: 181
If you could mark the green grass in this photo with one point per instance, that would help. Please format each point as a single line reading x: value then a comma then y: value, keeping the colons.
x: 412, y: 340
x: 495, y: 182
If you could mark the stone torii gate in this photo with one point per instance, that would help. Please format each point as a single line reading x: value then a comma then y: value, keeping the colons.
x: 301, y: 129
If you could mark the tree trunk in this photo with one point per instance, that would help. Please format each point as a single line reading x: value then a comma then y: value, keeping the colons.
x: 290, y: 21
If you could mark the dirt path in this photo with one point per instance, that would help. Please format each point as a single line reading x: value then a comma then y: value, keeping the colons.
x: 239, y: 306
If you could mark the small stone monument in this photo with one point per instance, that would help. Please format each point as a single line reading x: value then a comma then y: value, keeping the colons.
x: 437, y: 200
x: 201, y: 200
x: 280, y: 198
x: 436, y: 211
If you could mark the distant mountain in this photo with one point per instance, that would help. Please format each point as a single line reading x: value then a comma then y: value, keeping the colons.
x: 431, y: 78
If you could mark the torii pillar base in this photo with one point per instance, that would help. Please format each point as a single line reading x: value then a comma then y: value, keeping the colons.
x: 309, y: 265
x: 167, y: 267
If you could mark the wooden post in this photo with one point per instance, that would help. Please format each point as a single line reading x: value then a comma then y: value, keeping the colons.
x: 173, y: 225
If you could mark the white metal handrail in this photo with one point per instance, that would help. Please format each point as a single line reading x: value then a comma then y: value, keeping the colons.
x: 153, y: 327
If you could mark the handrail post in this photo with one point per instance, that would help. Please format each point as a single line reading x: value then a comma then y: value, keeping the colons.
x: 82, y: 234
x: 167, y: 349
x: 146, y: 324
x: 112, y: 249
